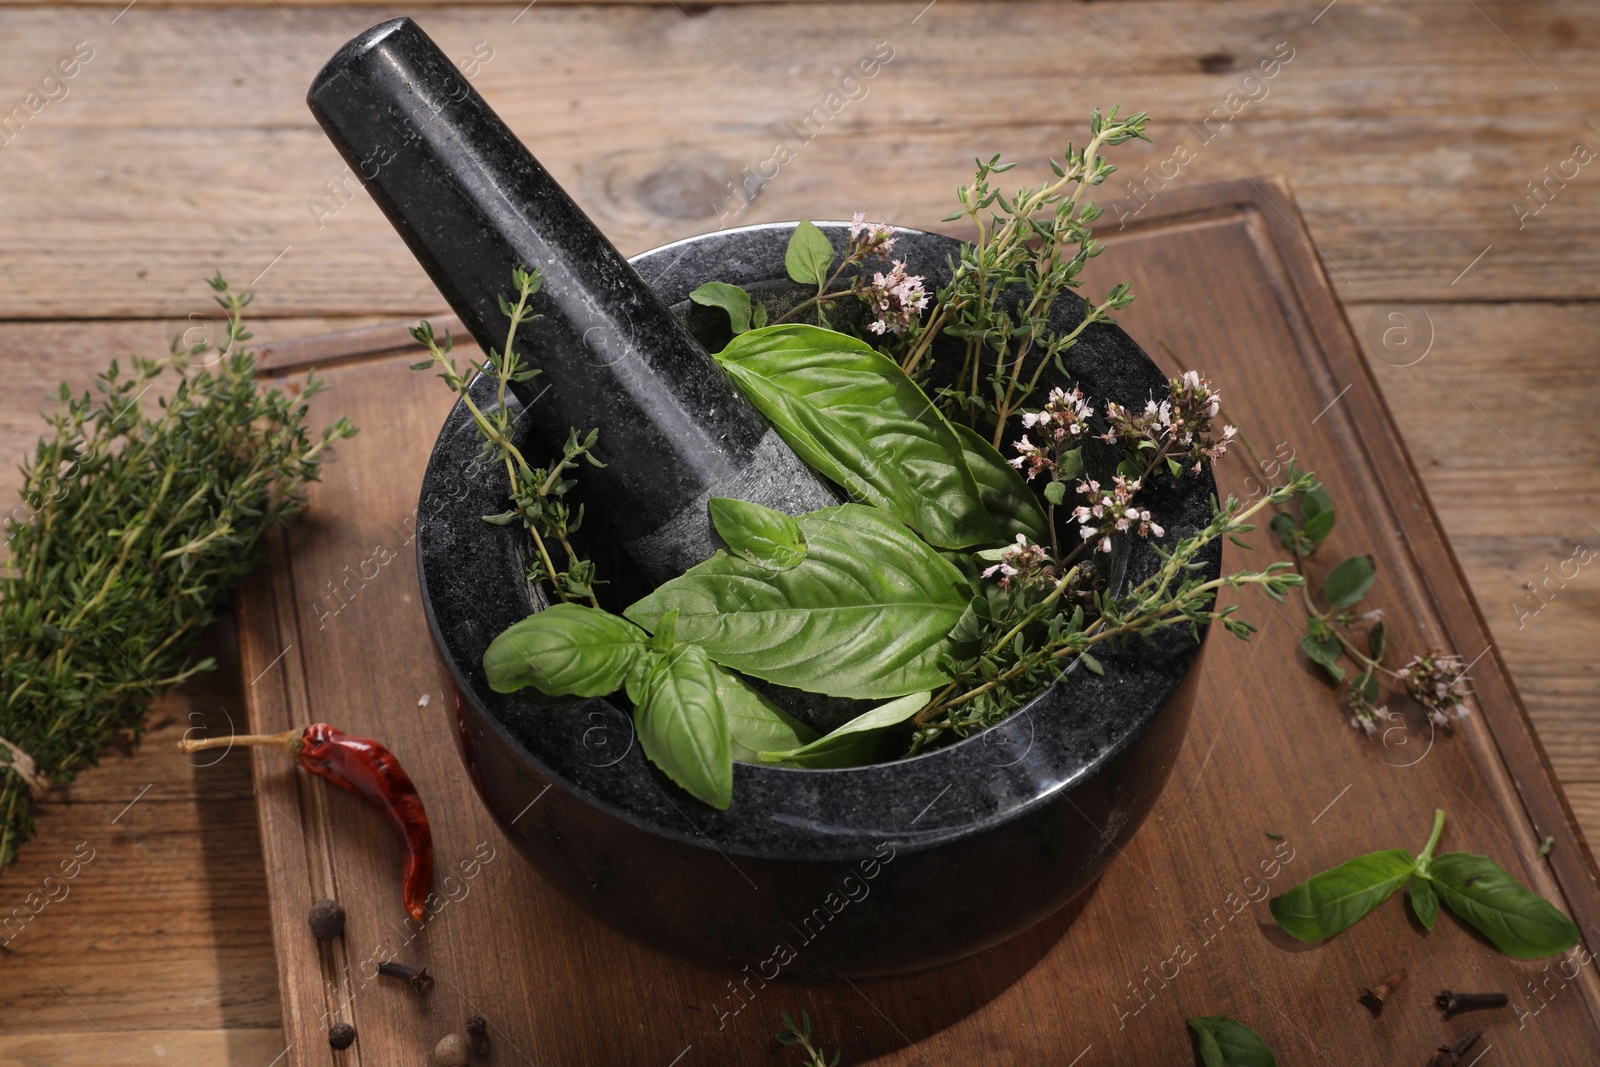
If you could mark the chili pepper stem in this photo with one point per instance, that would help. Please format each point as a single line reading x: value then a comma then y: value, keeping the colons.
x: 290, y: 741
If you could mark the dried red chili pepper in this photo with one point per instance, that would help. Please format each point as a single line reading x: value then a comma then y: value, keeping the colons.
x: 364, y: 767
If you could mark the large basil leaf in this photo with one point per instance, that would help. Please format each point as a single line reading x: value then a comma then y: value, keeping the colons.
x: 565, y: 650
x: 1225, y: 1042
x: 682, y: 727
x: 1520, y: 922
x: 756, y: 724
x: 866, y: 615
x: 759, y: 534
x: 1336, y: 899
x: 1424, y: 901
x: 853, y: 415
x: 1005, y: 495
x: 858, y: 742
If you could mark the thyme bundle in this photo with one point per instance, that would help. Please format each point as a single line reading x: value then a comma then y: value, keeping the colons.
x: 132, y: 532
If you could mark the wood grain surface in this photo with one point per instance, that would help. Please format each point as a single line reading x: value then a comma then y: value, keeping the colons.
x: 1408, y: 131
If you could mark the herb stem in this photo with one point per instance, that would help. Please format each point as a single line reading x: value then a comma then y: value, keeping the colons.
x: 1426, y: 854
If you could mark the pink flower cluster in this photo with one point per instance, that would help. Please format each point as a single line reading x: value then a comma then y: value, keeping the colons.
x: 895, y: 298
x: 1438, y: 681
x: 1062, y: 423
x: 1022, y: 565
x: 1111, y: 511
x: 1180, y: 425
x: 869, y: 238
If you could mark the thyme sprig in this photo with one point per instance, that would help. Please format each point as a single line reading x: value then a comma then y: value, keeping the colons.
x: 132, y: 532
x: 537, y: 493
x: 800, y: 1035
x: 1040, y: 240
x: 1044, y: 630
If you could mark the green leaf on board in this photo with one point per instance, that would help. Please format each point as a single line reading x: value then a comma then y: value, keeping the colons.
x: 681, y: 723
x: 1378, y: 640
x: 565, y: 650
x: 1318, y: 527
x: 1325, y: 653
x: 756, y: 724
x: 867, y: 614
x: 1519, y: 922
x: 809, y: 257
x: 1336, y: 899
x: 759, y: 534
x: 1225, y: 1042
x: 858, y: 742
x: 1287, y: 530
x: 1349, y: 581
x: 1424, y: 901
x: 730, y: 298
x: 852, y: 415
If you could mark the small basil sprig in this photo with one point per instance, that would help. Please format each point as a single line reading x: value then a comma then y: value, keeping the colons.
x: 1519, y: 922
x: 693, y: 717
x: 1226, y: 1042
x: 760, y: 535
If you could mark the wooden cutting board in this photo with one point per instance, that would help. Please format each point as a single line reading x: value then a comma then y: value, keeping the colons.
x: 333, y: 630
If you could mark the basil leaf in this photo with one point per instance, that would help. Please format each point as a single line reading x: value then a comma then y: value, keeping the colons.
x: 730, y: 298
x: 756, y: 724
x: 565, y: 650
x: 1424, y: 901
x: 759, y: 534
x: 1520, y: 922
x: 1324, y: 653
x: 1225, y: 1042
x: 852, y: 415
x: 1005, y: 495
x: 678, y: 713
x: 809, y: 255
x: 858, y: 742
x: 1337, y: 899
x: 866, y: 615
x: 1349, y: 581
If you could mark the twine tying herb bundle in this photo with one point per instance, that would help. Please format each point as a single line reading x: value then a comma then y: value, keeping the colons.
x: 132, y: 532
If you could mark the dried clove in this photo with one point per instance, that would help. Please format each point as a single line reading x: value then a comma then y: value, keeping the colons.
x: 1375, y: 996
x: 451, y: 1051
x: 1455, y: 1003
x: 478, y: 1031
x: 1450, y: 1055
x: 341, y: 1036
x: 327, y: 920
x: 420, y: 980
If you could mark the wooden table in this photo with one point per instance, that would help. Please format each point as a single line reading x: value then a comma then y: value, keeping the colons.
x: 1409, y: 132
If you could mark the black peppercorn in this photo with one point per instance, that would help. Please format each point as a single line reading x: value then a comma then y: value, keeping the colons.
x: 478, y: 1031
x: 341, y: 1036
x: 327, y: 920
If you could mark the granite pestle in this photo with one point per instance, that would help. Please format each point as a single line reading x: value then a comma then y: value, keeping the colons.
x: 472, y: 204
